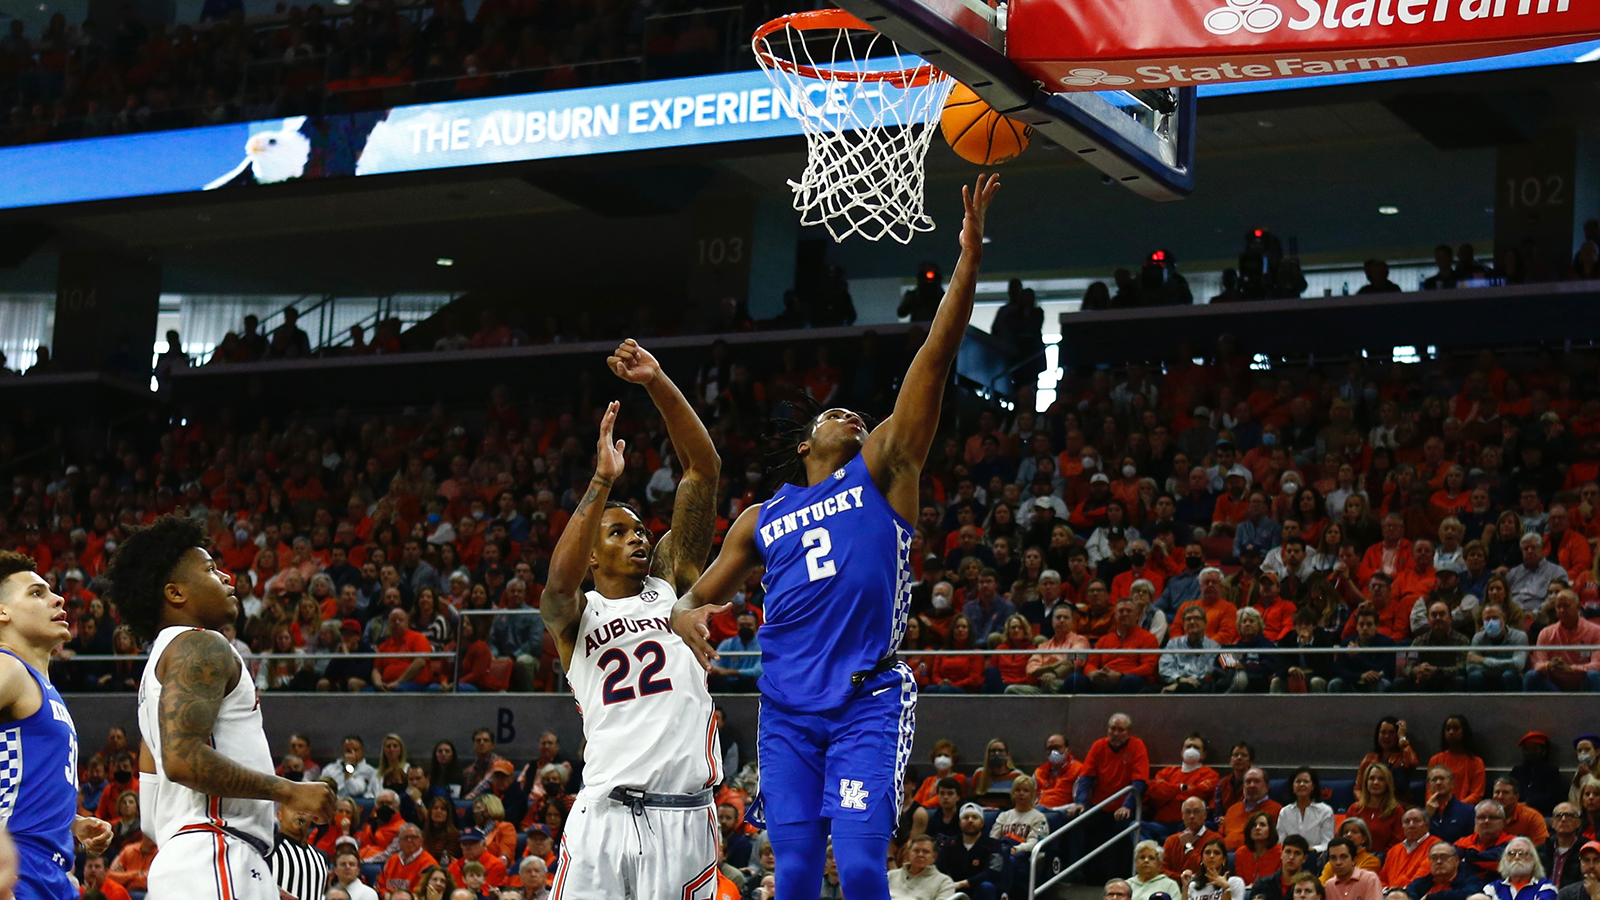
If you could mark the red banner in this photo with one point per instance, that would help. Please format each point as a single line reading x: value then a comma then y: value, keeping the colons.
x: 1091, y: 45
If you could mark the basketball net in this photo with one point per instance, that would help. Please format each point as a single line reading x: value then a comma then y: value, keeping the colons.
x: 868, y: 110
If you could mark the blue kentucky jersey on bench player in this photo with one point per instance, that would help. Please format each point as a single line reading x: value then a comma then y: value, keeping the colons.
x: 838, y: 587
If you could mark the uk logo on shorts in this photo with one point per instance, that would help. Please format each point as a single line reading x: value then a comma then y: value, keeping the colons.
x: 851, y: 794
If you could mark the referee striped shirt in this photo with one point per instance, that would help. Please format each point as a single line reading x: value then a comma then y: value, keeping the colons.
x: 300, y: 870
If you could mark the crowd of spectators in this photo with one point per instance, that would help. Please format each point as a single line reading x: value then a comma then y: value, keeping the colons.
x: 1434, y: 520
x: 1436, y: 827
x: 125, y: 74
x: 1388, y: 827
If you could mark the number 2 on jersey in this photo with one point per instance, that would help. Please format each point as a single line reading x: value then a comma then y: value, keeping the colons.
x: 648, y: 683
x: 817, y: 562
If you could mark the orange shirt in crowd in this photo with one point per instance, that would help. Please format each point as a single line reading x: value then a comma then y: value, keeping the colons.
x: 1222, y: 620
x: 1234, y: 819
x: 110, y: 890
x: 1252, y: 867
x: 1140, y: 664
x: 377, y: 838
x: 1376, y: 560
x: 1525, y: 821
x: 1573, y: 554
x: 1171, y: 786
x: 1180, y: 855
x: 1055, y: 784
x: 1402, y: 866
x: 494, y: 869
x: 132, y: 866
x: 393, y: 667
x: 1113, y: 769
x: 928, y: 792
x: 397, y: 873
x: 1468, y: 771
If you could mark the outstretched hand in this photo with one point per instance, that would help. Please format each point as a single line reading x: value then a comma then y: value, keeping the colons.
x: 608, y: 456
x: 634, y: 363
x: 691, y: 625
x: 976, y: 200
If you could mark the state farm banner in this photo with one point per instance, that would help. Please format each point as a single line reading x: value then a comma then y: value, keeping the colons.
x: 1091, y: 45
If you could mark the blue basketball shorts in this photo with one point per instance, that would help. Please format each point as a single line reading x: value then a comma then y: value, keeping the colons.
x: 845, y: 764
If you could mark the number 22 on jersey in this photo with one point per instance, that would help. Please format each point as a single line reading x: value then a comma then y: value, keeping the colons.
x: 654, y: 657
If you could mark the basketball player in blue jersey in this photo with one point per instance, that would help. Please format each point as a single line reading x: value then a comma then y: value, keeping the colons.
x: 837, y: 710
x: 38, y: 742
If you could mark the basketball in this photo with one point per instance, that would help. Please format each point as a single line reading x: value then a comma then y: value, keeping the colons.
x: 977, y: 133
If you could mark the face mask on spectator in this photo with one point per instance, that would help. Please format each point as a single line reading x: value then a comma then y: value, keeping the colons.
x: 1088, y: 462
x: 122, y: 776
x: 383, y: 814
x: 941, y: 602
x: 1269, y: 439
x: 477, y: 514
x: 1057, y: 757
x: 997, y: 759
x: 1191, y: 755
x: 1129, y: 471
x: 1137, y: 559
x: 1194, y: 563
x: 241, y: 536
x: 111, y: 546
x: 752, y: 477
x: 1586, y: 757
x: 294, y: 776
x: 1370, y: 394
x: 1492, y: 627
x: 942, y: 762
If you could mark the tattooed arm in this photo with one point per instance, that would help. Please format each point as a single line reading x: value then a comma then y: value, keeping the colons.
x: 561, y: 606
x: 681, y: 553
x: 196, y: 672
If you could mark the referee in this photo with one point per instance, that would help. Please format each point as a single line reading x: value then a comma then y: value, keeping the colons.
x: 299, y: 868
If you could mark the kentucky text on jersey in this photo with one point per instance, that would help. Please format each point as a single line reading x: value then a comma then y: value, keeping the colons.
x: 599, y: 637
x: 847, y: 499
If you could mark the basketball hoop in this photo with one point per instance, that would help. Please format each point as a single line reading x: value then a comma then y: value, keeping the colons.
x: 869, y: 111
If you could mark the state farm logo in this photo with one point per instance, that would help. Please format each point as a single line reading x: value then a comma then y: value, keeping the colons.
x: 1254, y: 16
x: 1093, y: 77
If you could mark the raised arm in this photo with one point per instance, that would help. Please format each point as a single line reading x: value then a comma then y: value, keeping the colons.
x: 900, y: 445
x: 710, y: 594
x: 196, y: 672
x: 561, y: 606
x: 681, y: 553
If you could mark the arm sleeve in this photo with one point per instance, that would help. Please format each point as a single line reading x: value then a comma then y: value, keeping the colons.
x: 1083, y: 790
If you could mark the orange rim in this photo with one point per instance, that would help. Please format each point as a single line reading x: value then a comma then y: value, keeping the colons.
x: 836, y: 20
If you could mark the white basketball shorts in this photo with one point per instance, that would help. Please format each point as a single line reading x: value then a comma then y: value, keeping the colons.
x: 608, y: 852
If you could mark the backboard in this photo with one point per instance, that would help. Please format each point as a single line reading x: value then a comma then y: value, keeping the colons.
x: 1143, y: 139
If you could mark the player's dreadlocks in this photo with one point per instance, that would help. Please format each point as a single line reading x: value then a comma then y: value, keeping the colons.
x: 793, y: 423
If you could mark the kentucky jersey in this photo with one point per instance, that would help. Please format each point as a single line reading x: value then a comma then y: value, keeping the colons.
x: 648, y: 719
x: 236, y: 734
x: 39, y: 793
x: 838, y: 586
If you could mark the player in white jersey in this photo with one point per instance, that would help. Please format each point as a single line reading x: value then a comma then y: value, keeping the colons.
x: 209, y: 790
x: 645, y: 825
